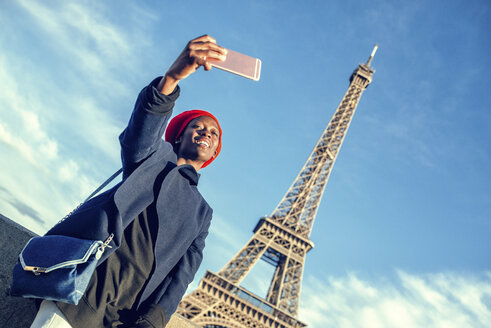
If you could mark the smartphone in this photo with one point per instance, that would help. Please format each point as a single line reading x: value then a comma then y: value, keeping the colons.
x: 239, y: 64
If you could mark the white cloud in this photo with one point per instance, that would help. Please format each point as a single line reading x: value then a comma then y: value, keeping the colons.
x: 16, y: 143
x: 231, y: 239
x: 83, y: 33
x: 31, y: 161
x: 57, y: 146
x: 27, y: 137
x: 431, y: 300
x: 99, y: 130
x: 68, y: 171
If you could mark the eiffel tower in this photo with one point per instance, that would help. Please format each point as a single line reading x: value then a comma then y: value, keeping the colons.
x: 281, y: 239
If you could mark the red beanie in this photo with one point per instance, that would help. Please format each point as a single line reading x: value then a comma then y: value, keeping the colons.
x: 177, y: 125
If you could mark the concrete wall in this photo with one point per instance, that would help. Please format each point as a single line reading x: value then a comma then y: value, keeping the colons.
x: 14, y: 312
x: 18, y: 312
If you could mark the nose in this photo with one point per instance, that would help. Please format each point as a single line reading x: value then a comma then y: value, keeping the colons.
x: 205, y: 132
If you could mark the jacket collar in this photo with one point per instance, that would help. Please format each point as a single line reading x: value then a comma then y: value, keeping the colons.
x: 189, y: 173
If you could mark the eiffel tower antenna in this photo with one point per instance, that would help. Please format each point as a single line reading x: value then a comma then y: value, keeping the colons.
x: 369, y: 61
x: 281, y: 239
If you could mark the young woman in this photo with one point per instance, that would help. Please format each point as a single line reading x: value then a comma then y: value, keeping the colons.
x: 157, y: 215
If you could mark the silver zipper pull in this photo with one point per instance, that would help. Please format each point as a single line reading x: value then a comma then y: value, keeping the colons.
x: 101, y: 248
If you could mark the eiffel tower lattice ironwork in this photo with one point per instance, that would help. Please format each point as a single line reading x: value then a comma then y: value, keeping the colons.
x: 282, y: 239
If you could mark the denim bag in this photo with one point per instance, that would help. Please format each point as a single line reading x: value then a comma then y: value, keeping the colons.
x: 56, y: 268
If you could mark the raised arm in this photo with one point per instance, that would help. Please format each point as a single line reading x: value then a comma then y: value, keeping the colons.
x: 143, y: 135
x: 194, y: 55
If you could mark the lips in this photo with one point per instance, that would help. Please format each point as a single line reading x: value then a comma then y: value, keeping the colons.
x: 203, y: 142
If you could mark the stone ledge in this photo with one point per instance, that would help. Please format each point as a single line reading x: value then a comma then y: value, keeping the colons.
x: 18, y: 312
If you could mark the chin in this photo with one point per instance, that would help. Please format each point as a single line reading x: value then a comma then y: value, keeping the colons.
x: 203, y: 157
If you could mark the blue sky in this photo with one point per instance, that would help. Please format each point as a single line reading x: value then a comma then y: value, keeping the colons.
x: 402, y: 233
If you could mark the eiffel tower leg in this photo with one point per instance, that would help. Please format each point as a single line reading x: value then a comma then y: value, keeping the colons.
x: 198, y: 303
x: 219, y: 303
x: 277, y: 281
x: 290, y: 291
x: 244, y: 260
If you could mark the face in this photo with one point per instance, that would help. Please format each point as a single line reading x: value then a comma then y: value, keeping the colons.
x: 199, y: 140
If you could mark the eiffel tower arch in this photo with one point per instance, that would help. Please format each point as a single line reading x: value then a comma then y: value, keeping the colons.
x: 281, y: 239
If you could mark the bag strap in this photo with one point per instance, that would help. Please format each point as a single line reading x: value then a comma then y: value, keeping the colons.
x: 95, y: 192
x: 105, y: 183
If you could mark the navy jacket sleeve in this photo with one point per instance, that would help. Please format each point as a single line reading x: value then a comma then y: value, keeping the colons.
x: 176, y: 283
x: 183, y: 273
x: 143, y: 135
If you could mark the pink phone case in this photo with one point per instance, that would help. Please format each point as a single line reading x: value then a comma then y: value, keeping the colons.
x: 240, y: 64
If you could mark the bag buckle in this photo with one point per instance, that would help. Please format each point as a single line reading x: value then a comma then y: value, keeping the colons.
x: 36, y: 270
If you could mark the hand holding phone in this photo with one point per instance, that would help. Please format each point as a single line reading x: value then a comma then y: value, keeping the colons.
x: 239, y: 64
